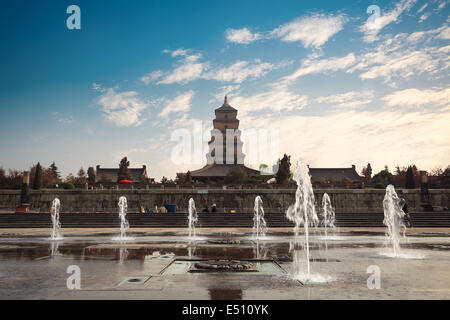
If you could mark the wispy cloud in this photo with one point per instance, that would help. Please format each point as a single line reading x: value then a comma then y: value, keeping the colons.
x: 349, y: 99
x: 180, y: 105
x: 241, y: 36
x: 312, y: 31
x: 311, y: 66
x: 417, y: 97
x: 124, y: 109
x: 190, y: 69
x: 275, y: 98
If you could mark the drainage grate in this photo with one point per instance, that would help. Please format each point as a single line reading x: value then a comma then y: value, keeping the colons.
x: 134, y: 280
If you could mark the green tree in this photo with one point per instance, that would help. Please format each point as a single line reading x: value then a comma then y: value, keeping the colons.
x: 382, y: 178
x: 37, y: 183
x: 367, y: 174
x: 91, y: 175
x: 236, y: 175
x: 284, y: 170
x: 81, y: 176
x: 188, y: 177
x: 124, y: 173
x: 55, y: 171
x: 410, y: 183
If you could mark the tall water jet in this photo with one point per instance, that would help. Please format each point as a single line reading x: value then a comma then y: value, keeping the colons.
x: 192, y: 218
x: 393, y: 218
x: 56, y: 206
x: 124, y: 225
x: 302, y: 213
x: 328, y: 213
x: 259, y: 224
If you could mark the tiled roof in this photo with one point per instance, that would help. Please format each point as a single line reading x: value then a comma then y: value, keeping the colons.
x: 338, y: 174
x: 220, y: 170
x: 111, y: 173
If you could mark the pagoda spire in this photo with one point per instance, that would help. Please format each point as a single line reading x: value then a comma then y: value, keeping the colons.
x: 225, y: 100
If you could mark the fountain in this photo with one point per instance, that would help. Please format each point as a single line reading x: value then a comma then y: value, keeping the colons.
x: 192, y: 218
x: 259, y: 224
x: 56, y: 206
x: 124, y: 225
x: 393, y: 218
x: 303, y: 212
x: 328, y: 215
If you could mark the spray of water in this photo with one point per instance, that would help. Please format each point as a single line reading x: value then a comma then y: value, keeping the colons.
x: 327, y: 213
x: 124, y: 225
x: 56, y: 206
x: 302, y: 213
x: 192, y: 218
x: 259, y: 224
x: 393, y: 218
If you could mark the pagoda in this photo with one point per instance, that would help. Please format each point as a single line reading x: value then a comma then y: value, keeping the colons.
x: 223, y: 155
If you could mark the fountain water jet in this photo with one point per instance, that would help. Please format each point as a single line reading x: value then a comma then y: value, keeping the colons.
x: 259, y: 224
x: 192, y: 218
x: 328, y: 214
x: 303, y: 212
x: 393, y: 218
x: 124, y: 225
x: 56, y: 206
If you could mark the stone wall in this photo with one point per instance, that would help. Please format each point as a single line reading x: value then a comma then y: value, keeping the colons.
x: 274, y: 200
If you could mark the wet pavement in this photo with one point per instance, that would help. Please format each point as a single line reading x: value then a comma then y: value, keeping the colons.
x: 160, y: 264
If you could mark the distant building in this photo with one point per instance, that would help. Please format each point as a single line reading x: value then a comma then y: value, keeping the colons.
x: 110, y: 174
x: 321, y: 177
x: 221, y: 161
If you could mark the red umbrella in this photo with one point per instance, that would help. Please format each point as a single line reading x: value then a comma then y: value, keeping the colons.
x: 125, y: 181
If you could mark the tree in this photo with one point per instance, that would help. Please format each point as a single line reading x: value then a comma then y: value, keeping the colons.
x: 124, y: 173
x: 37, y: 182
x: 382, y: 178
x: 2, y: 177
x: 55, y: 172
x: 410, y: 183
x: 236, y: 175
x: 70, y: 179
x: 188, y: 177
x: 91, y: 175
x: 367, y: 174
x: 81, y: 176
x: 284, y: 169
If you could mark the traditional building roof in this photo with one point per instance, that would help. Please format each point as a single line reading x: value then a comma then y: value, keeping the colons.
x: 220, y: 171
x: 110, y: 174
x: 226, y: 107
x: 337, y: 174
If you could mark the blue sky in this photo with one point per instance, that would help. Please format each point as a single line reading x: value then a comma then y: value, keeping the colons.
x: 339, y: 88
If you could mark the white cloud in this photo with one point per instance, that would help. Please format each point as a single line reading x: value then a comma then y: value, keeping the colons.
x: 312, y: 31
x: 349, y: 99
x: 422, y: 8
x: 123, y: 109
x: 276, y: 98
x: 242, y: 36
x: 180, y: 104
x: 310, y: 66
x: 240, y: 71
x: 424, y: 17
x: 190, y: 69
x: 373, y: 26
x: 402, y: 57
x: 152, y: 76
x: 98, y: 87
x: 416, y: 97
x: 444, y: 34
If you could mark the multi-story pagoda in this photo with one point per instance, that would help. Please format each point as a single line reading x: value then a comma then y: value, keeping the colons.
x: 223, y: 154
